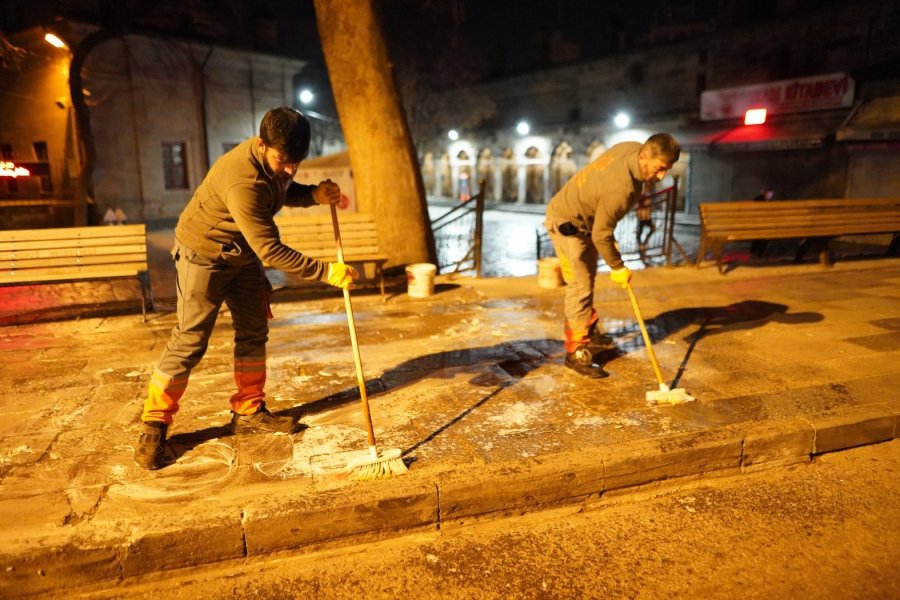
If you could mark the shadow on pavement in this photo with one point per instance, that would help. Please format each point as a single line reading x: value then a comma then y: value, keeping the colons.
x: 740, y: 316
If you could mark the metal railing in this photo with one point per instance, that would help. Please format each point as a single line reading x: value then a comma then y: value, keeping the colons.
x: 458, y: 236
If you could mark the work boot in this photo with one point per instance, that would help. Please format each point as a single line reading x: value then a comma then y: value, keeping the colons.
x: 153, y: 452
x: 582, y: 362
x: 599, y: 342
x: 262, y: 421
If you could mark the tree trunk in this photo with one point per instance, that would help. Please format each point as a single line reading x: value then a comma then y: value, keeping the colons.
x: 385, y: 170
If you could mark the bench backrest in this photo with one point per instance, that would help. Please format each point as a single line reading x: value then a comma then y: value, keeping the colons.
x: 800, y: 218
x: 313, y: 235
x: 68, y: 253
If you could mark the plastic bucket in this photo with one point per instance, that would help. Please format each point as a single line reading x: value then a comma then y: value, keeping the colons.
x: 549, y: 273
x: 420, y: 279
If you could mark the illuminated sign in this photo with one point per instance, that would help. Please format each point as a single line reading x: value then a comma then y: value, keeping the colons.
x: 805, y: 94
x: 755, y: 116
x: 8, y: 169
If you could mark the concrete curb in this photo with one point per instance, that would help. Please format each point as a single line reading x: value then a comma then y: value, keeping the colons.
x: 294, y: 520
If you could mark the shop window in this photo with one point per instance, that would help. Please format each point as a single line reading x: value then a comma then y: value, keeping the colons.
x: 41, y: 154
x: 174, y: 165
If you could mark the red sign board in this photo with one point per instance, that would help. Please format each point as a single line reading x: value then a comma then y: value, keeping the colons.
x: 805, y: 94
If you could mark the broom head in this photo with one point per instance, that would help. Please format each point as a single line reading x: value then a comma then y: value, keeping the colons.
x: 376, y: 465
x: 666, y: 396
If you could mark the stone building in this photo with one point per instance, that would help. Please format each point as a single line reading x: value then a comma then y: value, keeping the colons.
x: 161, y: 111
x: 829, y: 77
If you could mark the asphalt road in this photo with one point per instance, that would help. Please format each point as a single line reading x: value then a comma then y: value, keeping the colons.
x: 828, y: 529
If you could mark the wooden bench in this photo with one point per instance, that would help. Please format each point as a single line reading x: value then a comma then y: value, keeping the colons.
x: 29, y: 256
x: 313, y: 235
x: 808, y: 220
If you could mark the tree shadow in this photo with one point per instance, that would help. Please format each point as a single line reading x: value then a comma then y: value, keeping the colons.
x: 713, y: 320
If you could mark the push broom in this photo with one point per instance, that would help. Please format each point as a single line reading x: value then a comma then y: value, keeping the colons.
x: 376, y: 464
x: 664, y: 395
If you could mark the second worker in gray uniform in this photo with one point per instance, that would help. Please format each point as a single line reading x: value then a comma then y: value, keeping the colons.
x: 581, y: 219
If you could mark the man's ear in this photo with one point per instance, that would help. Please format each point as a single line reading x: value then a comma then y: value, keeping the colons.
x: 260, y: 144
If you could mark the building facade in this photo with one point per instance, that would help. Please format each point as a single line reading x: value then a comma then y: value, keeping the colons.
x: 840, y: 63
x: 161, y: 111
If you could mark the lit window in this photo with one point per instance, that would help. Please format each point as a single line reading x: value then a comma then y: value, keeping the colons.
x: 174, y: 166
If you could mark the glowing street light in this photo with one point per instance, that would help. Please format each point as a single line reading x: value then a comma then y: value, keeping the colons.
x: 622, y: 120
x: 523, y: 128
x: 54, y: 41
x: 306, y: 97
x: 453, y: 134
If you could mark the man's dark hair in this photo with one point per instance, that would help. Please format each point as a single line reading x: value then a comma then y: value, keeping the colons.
x: 663, y: 145
x: 287, y: 131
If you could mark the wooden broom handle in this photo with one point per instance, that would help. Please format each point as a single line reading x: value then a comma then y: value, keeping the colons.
x: 360, y: 378
x: 640, y: 320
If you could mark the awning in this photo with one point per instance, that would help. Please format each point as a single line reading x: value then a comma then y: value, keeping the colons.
x: 873, y: 120
x: 788, y: 133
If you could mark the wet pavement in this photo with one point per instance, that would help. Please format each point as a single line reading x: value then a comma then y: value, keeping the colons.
x: 786, y: 362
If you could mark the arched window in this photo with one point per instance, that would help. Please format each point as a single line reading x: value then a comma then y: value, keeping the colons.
x: 428, y: 174
x: 509, y: 184
x: 593, y: 151
x: 484, y: 167
x: 562, y: 166
x: 445, y: 176
x: 534, y: 176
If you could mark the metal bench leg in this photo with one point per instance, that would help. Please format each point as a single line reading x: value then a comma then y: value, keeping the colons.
x: 146, y: 294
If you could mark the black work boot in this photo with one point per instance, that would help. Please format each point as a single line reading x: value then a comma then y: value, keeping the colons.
x: 262, y: 421
x: 599, y: 342
x: 153, y: 452
x: 582, y: 362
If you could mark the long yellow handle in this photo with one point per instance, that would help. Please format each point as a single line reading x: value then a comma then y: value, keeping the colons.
x: 640, y: 320
x: 360, y: 378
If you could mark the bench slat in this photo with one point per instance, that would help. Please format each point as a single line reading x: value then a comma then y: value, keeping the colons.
x: 69, y: 233
x: 20, y: 264
x: 70, y: 273
x: 73, y: 254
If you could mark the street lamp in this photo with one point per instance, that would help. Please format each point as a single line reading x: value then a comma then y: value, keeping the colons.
x: 622, y: 120
x: 53, y: 40
x: 453, y: 134
x: 306, y: 97
x: 523, y: 128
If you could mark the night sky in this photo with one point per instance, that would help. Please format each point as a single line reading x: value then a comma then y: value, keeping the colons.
x: 506, y: 35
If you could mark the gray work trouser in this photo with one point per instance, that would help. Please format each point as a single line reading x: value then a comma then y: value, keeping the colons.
x: 578, y: 261
x: 202, y: 286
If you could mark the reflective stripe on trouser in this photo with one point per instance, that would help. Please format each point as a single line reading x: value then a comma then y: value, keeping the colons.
x: 250, y: 378
x: 203, y: 285
x: 578, y: 262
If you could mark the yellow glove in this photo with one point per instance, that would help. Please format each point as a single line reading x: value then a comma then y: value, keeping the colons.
x: 341, y: 275
x: 621, y: 276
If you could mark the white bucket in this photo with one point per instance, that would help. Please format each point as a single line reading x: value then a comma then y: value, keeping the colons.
x: 420, y: 279
x: 549, y: 273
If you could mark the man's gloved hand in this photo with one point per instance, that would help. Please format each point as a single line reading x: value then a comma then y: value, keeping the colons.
x: 621, y: 276
x: 327, y: 192
x: 341, y: 275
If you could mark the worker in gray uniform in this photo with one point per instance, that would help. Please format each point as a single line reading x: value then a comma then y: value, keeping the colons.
x: 223, y: 236
x: 581, y: 220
